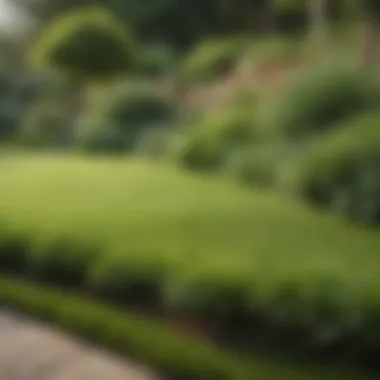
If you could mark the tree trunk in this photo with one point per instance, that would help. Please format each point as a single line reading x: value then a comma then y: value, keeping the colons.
x: 318, y: 18
x: 369, y: 43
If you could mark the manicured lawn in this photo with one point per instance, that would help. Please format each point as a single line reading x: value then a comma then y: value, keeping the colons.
x: 198, y: 241
x: 149, y: 211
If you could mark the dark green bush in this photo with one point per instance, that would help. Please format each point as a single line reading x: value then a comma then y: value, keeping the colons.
x: 208, y: 144
x: 61, y: 262
x: 14, y: 250
x: 342, y: 169
x: 85, y: 44
x: 131, y: 281
x: 130, y: 110
x: 211, y: 59
x: 315, y: 101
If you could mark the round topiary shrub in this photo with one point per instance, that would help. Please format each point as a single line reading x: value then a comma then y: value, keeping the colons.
x: 342, y: 170
x: 85, y: 44
x: 137, y: 107
x: 208, y: 144
x: 317, y: 100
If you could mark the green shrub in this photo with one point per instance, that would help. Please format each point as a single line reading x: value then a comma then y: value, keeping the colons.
x: 44, y: 125
x: 157, y: 143
x: 155, y: 60
x: 342, y: 169
x: 60, y: 261
x: 207, y: 144
x: 134, y: 108
x: 211, y: 59
x: 261, y: 164
x: 99, y: 136
x: 85, y: 44
x: 317, y: 100
x: 14, y: 250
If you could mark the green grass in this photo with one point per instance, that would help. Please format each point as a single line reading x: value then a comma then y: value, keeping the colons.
x: 198, y: 241
x: 137, y: 208
x: 180, y: 357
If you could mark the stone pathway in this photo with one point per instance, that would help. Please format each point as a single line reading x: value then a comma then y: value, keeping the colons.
x: 31, y: 351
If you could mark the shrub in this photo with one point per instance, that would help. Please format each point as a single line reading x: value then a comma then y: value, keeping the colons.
x: 85, y: 44
x: 319, y: 99
x: 207, y: 144
x: 342, y: 169
x: 99, y: 136
x: 60, y: 261
x: 211, y: 59
x: 261, y: 164
x: 155, y: 60
x: 136, y: 107
x: 44, y: 125
x: 157, y: 143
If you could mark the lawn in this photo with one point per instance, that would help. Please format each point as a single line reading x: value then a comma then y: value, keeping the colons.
x: 197, y: 238
x: 140, y: 209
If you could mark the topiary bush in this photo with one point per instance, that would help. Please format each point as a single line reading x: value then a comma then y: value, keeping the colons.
x: 317, y: 100
x: 137, y: 107
x: 85, y: 44
x: 341, y: 169
x: 208, y: 144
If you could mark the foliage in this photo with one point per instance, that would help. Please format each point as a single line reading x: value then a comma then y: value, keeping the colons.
x: 261, y: 164
x: 44, y: 125
x: 155, y: 60
x: 178, y: 356
x: 87, y: 44
x: 211, y: 59
x: 317, y: 100
x: 342, y: 169
x: 157, y: 143
x: 207, y: 144
x: 269, y: 50
x: 135, y: 107
x: 175, y: 240
x: 99, y: 136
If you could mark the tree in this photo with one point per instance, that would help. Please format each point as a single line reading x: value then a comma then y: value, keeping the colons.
x: 84, y: 46
x: 369, y: 46
x: 318, y: 16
